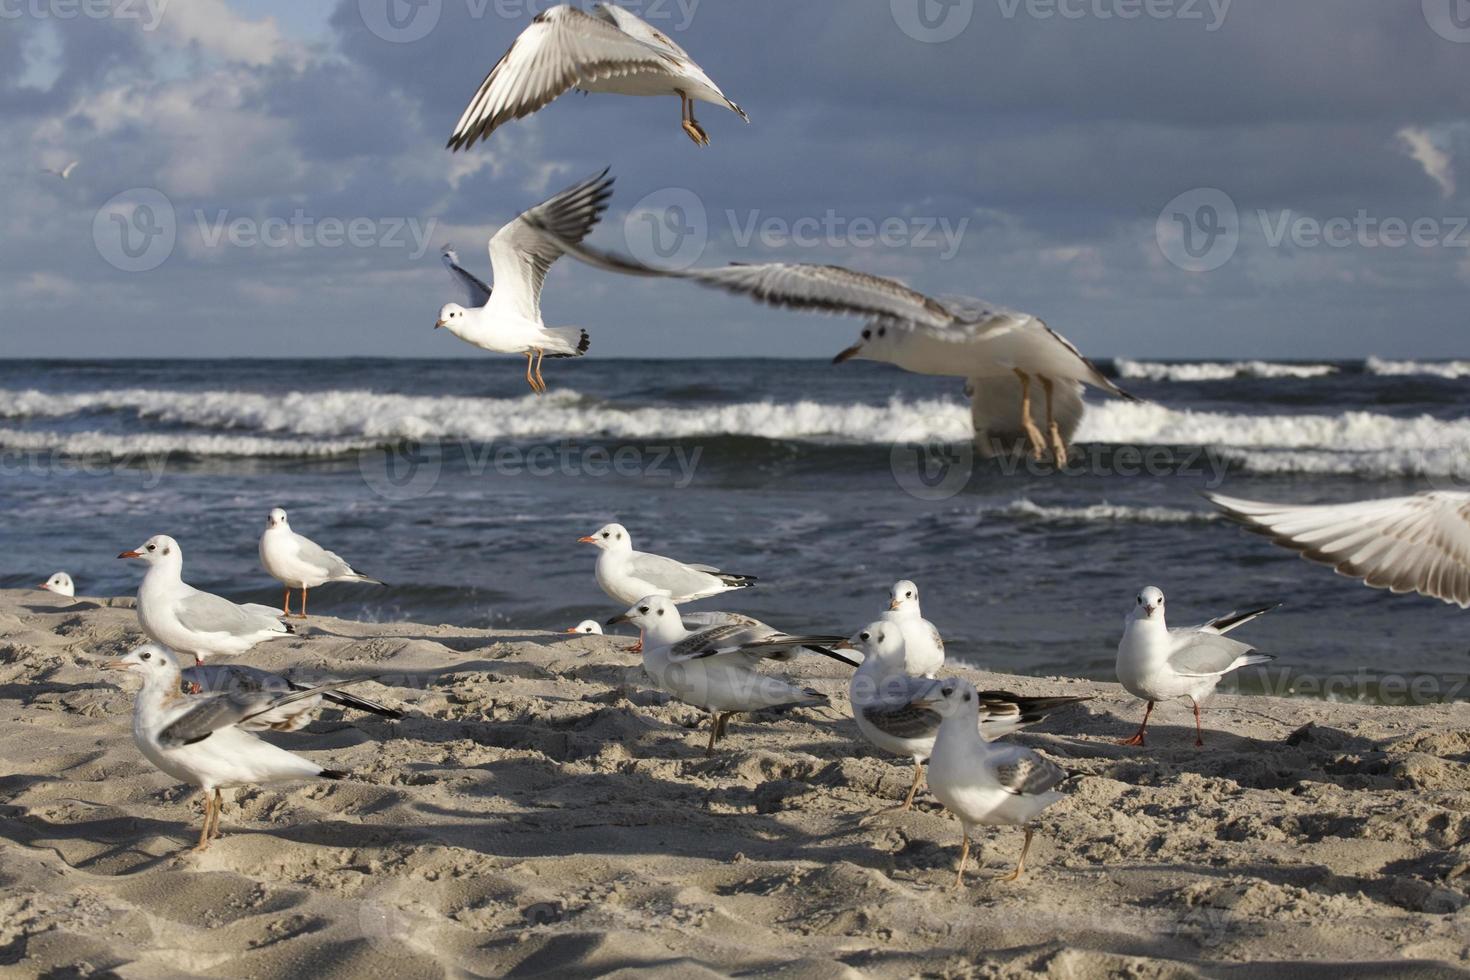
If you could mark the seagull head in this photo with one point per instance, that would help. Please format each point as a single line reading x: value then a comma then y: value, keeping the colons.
x: 150, y: 660
x: 950, y: 697
x: 587, y: 627
x: 904, y: 598
x: 276, y: 518
x: 156, y: 549
x: 876, y: 641
x: 451, y: 316
x: 654, y: 614
x: 613, y: 537
x: 1149, y: 602
x: 60, y: 583
x: 873, y: 345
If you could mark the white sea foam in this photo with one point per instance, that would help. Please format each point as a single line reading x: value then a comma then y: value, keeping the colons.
x: 1023, y: 508
x: 1451, y: 370
x: 1219, y: 371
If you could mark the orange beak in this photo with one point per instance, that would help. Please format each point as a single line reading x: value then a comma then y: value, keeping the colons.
x: 589, y: 539
x: 116, y: 665
x: 130, y: 554
x: 844, y: 645
x: 893, y: 604
x: 572, y: 630
x: 45, y: 585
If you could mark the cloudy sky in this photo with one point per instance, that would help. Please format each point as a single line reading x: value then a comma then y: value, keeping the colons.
x: 1156, y: 178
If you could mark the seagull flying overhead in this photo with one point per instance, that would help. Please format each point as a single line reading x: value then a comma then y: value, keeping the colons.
x: 1404, y: 544
x: 65, y: 172
x: 185, y: 619
x: 299, y: 562
x: 1157, y: 663
x: 507, y: 319
x: 1001, y: 353
x: 606, y: 49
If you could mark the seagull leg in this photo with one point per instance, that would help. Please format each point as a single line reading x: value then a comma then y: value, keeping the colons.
x: 219, y: 808
x: 1021, y: 864
x: 286, y: 603
x: 1199, y: 735
x: 530, y: 380
x: 908, y: 801
x: 208, y: 815
x: 1058, y: 444
x: 714, y: 734
x: 1137, y: 738
x: 1033, y: 434
x: 959, y: 878
x: 540, y: 353
x: 691, y: 126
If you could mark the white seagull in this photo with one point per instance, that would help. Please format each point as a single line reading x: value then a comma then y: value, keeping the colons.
x: 299, y: 562
x: 201, y: 740
x: 61, y: 584
x: 507, y: 319
x: 716, y: 669
x: 923, y: 647
x: 65, y: 172
x: 587, y: 627
x: 985, y: 784
x: 185, y: 619
x: 1404, y: 544
x: 606, y: 49
x: 1157, y: 664
x: 1001, y: 353
x: 290, y: 717
x: 884, y: 696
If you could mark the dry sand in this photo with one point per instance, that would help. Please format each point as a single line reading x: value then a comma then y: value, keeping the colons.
x: 540, y: 812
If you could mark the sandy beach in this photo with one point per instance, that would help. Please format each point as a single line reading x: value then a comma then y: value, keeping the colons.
x: 541, y: 812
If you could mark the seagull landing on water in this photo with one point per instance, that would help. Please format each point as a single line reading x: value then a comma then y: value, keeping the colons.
x: 201, y: 739
x: 299, y: 562
x: 507, y: 319
x: 606, y: 49
x: 985, y: 784
x: 891, y: 710
x: 61, y: 584
x: 65, y: 172
x: 185, y: 619
x: 923, y: 647
x: 716, y: 669
x: 1404, y: 544
x: 1157, y: 664
x: 1001, y: 353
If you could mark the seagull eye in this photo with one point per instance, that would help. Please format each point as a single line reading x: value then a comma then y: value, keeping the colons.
x: 605, y: 534
x: 865, y: 637
x: 1140, y: 600
x: 908, y: 595
x: 946, y: 691
x: 643, y: 609
x: 867, y: 335
x: 145, y: 656
x: 150, y: 547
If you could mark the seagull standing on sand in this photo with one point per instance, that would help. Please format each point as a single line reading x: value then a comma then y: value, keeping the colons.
x: 506, y: 319
x: 290, y: 717
x: 606, y: 49
x: 1156, y: 663
x: 299, y: 562
x: 923, y: 647
x: 185, y: 619
x: 1001, y: 353
x: 201, y: 739
x: 885, y: 700
x: 985, y: 784
x: 716, y: 669
x: 65, y: 172
x: 61, y: 584
x: 1404, y: 544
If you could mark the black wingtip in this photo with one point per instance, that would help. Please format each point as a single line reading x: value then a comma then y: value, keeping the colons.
x: 289, y: 628
x: 334, y: 774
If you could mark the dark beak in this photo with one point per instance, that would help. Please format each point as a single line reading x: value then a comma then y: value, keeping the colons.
x: 617, y: 620
x: 439, y: 324
x: 848, y: 354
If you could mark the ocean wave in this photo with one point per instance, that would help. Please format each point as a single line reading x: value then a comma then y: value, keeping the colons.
x: 1218, y: 371
x: 1023, y: 508
x: 1450, y: 370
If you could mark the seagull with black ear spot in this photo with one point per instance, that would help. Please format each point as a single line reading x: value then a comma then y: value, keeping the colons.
x: 716, y: 669
x: 587, y: 627
x: 985, y: 784
x: 61, y: 584
x: 923, y: 647
x: 201, y: 739
x: 189, y: 621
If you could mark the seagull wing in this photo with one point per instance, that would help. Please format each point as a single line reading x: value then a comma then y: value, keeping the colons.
x: 1405, y: 544
x: 1022, y: 772
x: 203, y: 612
x: 561, y: 48
x: 521, y: 255
x: 477, y: 294
x: 209, y: 714
x: 894, y: 712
